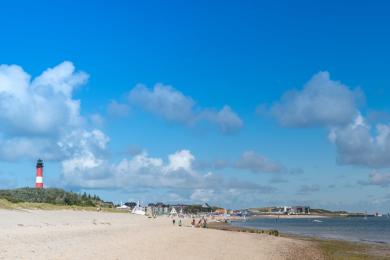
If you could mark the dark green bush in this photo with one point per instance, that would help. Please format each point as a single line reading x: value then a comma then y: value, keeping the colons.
x: 51, y: 196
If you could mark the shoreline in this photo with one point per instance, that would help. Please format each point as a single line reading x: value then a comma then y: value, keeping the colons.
x: 289, y: 216
x: 331, y: 248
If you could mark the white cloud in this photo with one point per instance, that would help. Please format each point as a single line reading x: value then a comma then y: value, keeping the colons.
x: 97, y: 120
x: 359, y: 144
x: 330, y: 104
x: 116, y: 109
x: 41, y: 106
x: 248, y: 161
x: 60, y: 79
x: 140, y: 170
x: 322, y: 102
x: 202, y: 195
x: 306, y: 189
x: 240, y: 198
x: 164, y: 101
x: 257, y: 163
x: 174, y: 106
x: 39, y: 117
x: 144, y: 172
x: 377, y: 178
x: 226, y: 119
x: 181, y: 160
x: 16, y: 148
x: 381, y: 179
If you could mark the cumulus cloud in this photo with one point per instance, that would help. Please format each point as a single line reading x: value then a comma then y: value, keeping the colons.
x: 249, y: 161
x: 96, y: 120
x: 321, y: 102
x: 324, y: 102
x: 226, y: 119
x: 241, y: 198
x: 256, y: 163
x: 40, y: 117
x: 164, y: 101
x: 359, y: 144
x: 143, y: 171
x: 174, y: 106
x: 202, y: 195
x: 218, y: 164
x: 116, y: 109
x: 306, y: 189
x: 41, y: 106
x: 89, y: 171
x: 377, y: 178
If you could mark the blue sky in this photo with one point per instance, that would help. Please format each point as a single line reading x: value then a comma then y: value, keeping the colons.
x: 237, y: 103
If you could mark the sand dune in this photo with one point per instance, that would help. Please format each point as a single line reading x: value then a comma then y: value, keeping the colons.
x: 37, y: 234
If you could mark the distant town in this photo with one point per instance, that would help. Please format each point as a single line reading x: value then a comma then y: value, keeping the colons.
x: 157, y: 209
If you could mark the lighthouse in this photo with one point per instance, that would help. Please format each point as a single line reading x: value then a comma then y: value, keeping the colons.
x: 39, y: 176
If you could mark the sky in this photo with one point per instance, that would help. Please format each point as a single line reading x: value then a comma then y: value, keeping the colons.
x: 235, y: 103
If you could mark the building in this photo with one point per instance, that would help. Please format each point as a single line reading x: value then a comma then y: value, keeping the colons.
x: 287, y: 210
x: 173, y: 212
x: 300, y: 210
x: 220, y: 211
x: 159, y: 208
x: 39, y: 175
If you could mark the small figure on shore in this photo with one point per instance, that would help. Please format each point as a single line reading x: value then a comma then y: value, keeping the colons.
x: 179, y: 222
x: 193, y: 222
x: 199, y: 223
x: 204, y: 223
x: 173, y: 221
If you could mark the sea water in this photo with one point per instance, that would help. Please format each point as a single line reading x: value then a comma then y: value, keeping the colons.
x: 371, y: 229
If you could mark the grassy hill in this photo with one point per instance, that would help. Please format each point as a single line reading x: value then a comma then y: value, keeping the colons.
x: 52, y: 196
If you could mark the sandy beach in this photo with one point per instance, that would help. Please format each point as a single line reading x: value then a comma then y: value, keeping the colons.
x: 66, y: 234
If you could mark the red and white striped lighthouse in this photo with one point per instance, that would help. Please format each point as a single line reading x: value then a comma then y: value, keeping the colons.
x: 39, y: 177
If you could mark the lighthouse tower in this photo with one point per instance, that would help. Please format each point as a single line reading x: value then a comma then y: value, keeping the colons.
x: 39, y: 177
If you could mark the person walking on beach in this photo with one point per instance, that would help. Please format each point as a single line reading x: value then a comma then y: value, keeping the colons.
x: 179, y: 222
x: 173, y: 221
x: 193, y: 222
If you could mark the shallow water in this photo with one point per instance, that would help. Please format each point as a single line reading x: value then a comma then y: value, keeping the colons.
x: 372, y: 229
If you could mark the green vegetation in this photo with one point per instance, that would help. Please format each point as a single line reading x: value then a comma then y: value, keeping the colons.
x: 227, y: 227
x: 195, y: 209
x: 51, y: 196
x: 340, y: 250
x: 324, y: 212
x: 334, y: 249
x: 5, y: 204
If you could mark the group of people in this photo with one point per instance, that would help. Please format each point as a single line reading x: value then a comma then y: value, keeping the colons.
x: 174, y: 222
x: 201, y: 223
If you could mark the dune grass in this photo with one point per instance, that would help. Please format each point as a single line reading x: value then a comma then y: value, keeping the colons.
x: 335, y: 249
x: 5, y: 204
x: 227, y: 227
x: 340, y: 249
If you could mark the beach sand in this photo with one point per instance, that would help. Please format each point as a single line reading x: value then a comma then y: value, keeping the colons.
x: 66, y: 234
